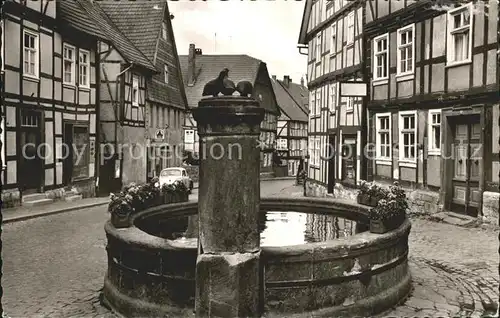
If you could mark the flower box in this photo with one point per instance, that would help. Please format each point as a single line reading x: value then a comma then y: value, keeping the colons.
x: 366, y: 200
x: 378, y: 227
x: 119, y: 221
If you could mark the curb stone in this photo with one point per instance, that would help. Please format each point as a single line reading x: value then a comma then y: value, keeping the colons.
x: 18, y: 218
x: 25, y: 217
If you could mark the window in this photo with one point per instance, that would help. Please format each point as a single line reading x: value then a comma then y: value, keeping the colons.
x: 318, y: 48
x: 69, y: 64
x: 407, y: 136
x: 381, y: 67
x: 333, y: 97
x: 406, y: 50
x: 312, y: 102
x: 350, y: 28
x: 30, y: 54
x: 165, y: 74
x: 282, y: 144
x: 333, y: 43
x: 435, y: 131
x: 317, y: 151
x: 318, y: 102
x: 135, y: 90
x: 459, y: 34
x: 383, y: 135
x: 350, y: 104
x: 164, y: 30
x: 1, y: 50
x: 84, y: 68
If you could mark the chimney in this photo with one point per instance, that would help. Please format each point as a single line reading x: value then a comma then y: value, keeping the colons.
x: 287, y: 80
x: 302, y: 81
x: 191, y: 65
x: 274, y: 78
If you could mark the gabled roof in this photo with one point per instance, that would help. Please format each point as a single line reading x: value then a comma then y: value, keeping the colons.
x: 287, y: 104
x: 305, y: 22
x: 300, y: 95
x: 208, y: 67
x: 139, y: 20
x: 87, y: 16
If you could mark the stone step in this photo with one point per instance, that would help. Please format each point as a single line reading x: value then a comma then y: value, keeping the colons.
x: 73, y: 197
x: 34, y: 197
x: 37, y: 202
x: 455, y: 218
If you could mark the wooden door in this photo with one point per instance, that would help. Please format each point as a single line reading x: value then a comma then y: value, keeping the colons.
x: 467, y: 165
x: 68, y: 154
x: 31, y: 163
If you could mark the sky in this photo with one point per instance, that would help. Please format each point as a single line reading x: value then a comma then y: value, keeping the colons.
x: 267, y: 30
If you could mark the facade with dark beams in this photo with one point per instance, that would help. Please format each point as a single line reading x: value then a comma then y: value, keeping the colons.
x: 433, y: 101
x: 147, y: 25
x: 49, y: 99
x: 333, y: 34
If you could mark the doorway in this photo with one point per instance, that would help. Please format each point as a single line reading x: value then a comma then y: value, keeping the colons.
x: 31, y: 163
x: 331, y: 163
x: 349, y: 160
x: 466, y: 165
x: 67, y: 153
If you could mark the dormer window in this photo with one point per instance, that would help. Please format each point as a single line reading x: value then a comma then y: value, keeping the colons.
x: 164, y: 30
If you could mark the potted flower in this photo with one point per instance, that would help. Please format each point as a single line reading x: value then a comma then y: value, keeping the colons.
x: 168, y: 193
x: 120, y: 210
x: 182, y: 192
x: 370, y: 193
x: 390, y: 211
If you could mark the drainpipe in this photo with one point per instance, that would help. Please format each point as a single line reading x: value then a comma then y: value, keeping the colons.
x: 97, y: 144
x: 300, y: 47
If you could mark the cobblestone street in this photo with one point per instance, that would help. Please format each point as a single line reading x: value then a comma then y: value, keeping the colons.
x: 54, y: 266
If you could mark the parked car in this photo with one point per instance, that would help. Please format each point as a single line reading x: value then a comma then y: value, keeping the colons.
x: 171, y: 175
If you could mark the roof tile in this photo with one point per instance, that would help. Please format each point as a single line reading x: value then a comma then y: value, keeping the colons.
x: 208, y: 67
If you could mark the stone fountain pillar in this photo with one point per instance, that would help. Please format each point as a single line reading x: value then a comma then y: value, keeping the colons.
x: 228, y: 275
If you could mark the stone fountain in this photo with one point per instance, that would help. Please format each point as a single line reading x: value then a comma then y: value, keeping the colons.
x: 224, y: 271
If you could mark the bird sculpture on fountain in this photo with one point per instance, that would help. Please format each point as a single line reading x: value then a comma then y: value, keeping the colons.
x: 222, y: 84
x: 245, y: 88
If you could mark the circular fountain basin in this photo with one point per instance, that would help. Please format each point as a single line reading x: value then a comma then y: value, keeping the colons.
x: 329, y: 266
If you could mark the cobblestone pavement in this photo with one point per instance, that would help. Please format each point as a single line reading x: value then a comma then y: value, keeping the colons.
x: 454, y: 270
x: 54, y: 266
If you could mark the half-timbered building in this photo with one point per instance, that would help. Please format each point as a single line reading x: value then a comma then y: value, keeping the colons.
x: 198, y: 69
x: 49, y: 104
x: 148, y: 26
x: 332, y: 33
x: 123, y: 70
x: 433, y: 101
x: 291, y: 141
x: 141, y: 93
